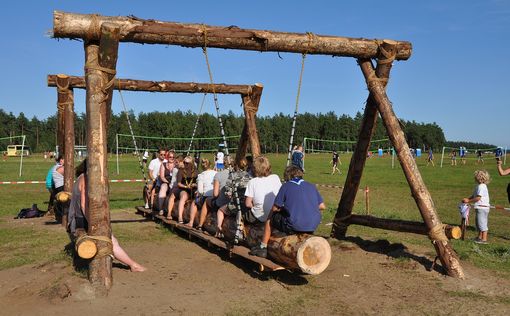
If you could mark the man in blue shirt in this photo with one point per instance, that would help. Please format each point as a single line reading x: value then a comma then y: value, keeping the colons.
x: 297, y: 209
x: 297, y: 157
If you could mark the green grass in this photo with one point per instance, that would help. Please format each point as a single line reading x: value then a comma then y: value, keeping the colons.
x: 390, y: 197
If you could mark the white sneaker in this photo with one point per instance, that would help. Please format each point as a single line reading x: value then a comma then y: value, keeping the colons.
x: 147, y: 205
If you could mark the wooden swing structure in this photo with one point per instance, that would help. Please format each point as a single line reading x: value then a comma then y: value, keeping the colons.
x: 102, y: 34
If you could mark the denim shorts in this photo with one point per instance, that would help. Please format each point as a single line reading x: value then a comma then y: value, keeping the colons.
x: 482, y: 219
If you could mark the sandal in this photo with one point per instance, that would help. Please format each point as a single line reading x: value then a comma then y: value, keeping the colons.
x: 161, y: 213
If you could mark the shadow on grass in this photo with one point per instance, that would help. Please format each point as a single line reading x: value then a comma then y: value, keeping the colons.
x: 395, y: 250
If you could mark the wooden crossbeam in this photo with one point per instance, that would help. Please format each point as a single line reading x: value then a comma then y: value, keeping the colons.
x: 133, y: 29
x: 165, y: 86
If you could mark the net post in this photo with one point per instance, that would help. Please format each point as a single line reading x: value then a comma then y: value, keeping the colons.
x: 22, y: 152
x: 442, y: 156
x: 117, y: 150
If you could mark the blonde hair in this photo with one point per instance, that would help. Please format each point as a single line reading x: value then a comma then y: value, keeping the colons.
x: 261, y: 166
x: 482, y: 176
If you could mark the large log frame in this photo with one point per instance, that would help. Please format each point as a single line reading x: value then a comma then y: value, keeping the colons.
x: 68, y: 25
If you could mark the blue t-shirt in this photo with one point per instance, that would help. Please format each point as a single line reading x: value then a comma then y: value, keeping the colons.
x: 297, y: 159
x: 301, y: 200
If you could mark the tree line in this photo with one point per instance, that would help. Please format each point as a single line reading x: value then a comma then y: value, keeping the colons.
x: 274, y: 131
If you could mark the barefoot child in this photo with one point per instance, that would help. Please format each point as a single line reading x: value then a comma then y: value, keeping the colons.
x: 480, y: 198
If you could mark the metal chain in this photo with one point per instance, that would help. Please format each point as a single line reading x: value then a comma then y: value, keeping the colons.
x: 296, y: 109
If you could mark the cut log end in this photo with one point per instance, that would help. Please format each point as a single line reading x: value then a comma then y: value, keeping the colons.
x: 314, y: 255
x: 86, y: 249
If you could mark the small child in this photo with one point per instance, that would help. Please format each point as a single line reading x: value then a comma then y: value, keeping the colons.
x: 480, y: 198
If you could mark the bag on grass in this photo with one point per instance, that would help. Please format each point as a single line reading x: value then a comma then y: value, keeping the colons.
x: 29, y: 212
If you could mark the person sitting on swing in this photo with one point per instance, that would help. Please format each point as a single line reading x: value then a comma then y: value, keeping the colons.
x: 166, y: 179
x: 79, y: 217
x: 187, y: 183
x: 297, y: 209
x: 205, y: 186
x: 240, y: 175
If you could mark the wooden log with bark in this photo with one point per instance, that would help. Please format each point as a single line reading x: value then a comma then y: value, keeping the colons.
x: 133, y: 29
x: 78, y: 82
x: 452, y: 232
x: 101, y: 60
x: 84, y: 247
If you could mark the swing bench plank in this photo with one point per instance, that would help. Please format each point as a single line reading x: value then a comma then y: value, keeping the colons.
x: 264, y: 264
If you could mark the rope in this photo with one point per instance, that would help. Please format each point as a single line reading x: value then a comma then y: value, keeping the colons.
x: 291, y: 141
x: 222, y: 130
x: 196, y: 125
x: 133, y: 137
x: 102, y: 252
x: 436, y: 233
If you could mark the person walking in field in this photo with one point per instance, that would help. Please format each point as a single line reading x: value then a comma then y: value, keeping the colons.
x: 335, y: 160
x: 298, y: 157
x: 430, y: 158
x: 479, y: 155
x: 481, y: 200
x: 453, y: 157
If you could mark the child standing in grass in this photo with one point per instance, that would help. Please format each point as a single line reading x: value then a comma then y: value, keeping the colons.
x: 480, y: 198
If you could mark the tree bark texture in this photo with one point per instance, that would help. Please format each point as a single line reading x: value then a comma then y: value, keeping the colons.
x: 98, y: 102
x: 86, y: 26
x: 419, y: 191
x: 163, y: 86
x: 359, y: 156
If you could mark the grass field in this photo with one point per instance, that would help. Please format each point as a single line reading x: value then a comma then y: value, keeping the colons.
x: 389, y: 198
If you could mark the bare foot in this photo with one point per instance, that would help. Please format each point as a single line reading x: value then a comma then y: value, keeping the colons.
x: 137, y: 268
x: 190, y: 224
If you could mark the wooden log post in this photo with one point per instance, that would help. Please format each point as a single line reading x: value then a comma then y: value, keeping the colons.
x: 62, y: 99
x: 419, y: 191
x: 72, y: 25
x: 100, y: 64
x: 66, y: 102
x: 359, y: 156
x: 251, y: 103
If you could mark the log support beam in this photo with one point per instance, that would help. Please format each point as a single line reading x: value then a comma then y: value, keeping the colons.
x: 250, y: 135
x: 136, y: 30
x: 419, y: 191
x: 100, y: 64
x: 359, y: 156
x: 66, y: 133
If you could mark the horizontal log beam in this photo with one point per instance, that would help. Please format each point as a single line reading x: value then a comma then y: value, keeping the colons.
x: 136, y: 30
x: 164, y: 86
x: 452, y: 232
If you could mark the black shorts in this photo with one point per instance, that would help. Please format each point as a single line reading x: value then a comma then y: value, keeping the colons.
x: 248, y: 217
x: 199, y: 201
x: 281, y: 222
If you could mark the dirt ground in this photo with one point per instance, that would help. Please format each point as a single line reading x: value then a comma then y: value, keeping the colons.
x: 187, y: 278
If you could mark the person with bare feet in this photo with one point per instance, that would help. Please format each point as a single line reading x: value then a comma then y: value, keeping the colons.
x: 78, y: 218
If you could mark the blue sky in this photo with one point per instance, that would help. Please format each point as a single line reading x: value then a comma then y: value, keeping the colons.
x: 457, y: 75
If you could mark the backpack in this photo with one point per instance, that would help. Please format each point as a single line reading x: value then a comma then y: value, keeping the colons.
x: 29, y: 213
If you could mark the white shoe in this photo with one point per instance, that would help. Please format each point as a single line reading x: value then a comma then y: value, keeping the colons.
x: 147, y: 206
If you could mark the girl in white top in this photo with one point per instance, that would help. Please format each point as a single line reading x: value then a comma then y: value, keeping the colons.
x: 204, y: 190
x: 480, y: 198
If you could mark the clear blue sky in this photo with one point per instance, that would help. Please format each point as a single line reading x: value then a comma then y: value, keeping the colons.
x: 457, y: 75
